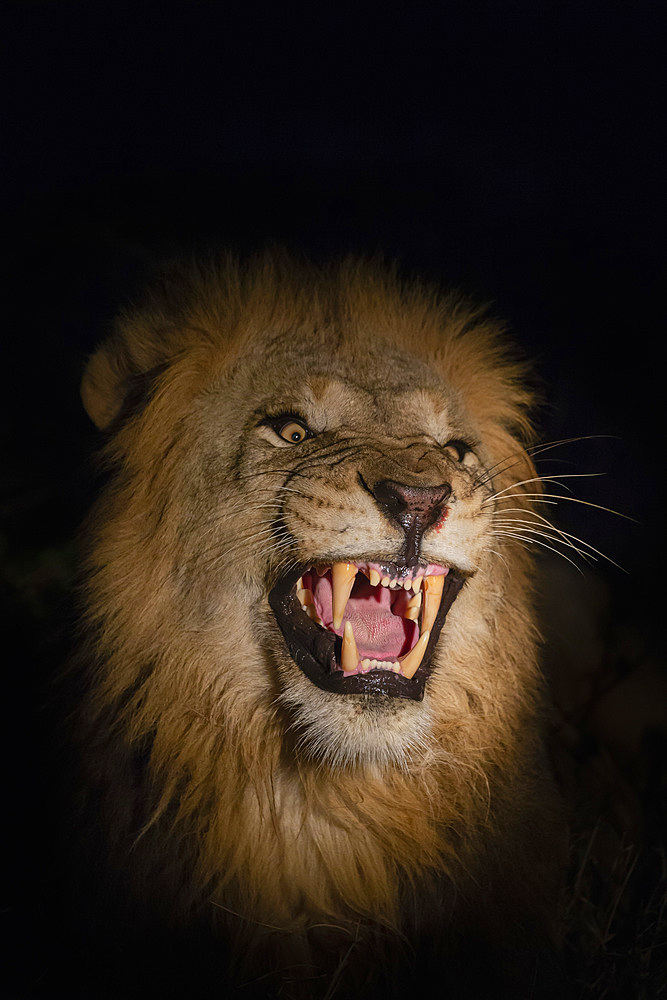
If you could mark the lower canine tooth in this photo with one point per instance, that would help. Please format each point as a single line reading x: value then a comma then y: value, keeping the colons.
x: 433, y: 586
x: 411, y: 661
x: 343, y: 576
x: 304, y: 595
x: 349, y: 657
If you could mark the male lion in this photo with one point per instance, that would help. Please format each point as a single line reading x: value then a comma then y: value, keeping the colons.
x: 311, y: 730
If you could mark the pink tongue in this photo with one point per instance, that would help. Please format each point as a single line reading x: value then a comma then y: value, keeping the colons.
x: 379, y: 633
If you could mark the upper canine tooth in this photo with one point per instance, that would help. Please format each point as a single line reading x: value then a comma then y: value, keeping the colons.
x: 411, y: 661
x: 433, y: 586
x: 349, y: 656
x: 343, y: 576
x: 374, y: 577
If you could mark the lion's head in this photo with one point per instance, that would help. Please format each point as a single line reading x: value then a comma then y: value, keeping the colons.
x: 300, y: 523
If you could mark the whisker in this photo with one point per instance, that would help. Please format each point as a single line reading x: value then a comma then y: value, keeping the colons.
x: 545, y: 479
x: 543, y: 498
x: 529, y: 533
x: 532, y: 452
x: 534, y: 541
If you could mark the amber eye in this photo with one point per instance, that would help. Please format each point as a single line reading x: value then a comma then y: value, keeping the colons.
x: 292, y: 431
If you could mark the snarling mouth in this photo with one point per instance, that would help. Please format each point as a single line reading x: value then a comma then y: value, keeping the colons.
x: 365, y: 627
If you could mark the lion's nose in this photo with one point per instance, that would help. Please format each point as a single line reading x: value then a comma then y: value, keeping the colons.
x: 422, y: 502
x: 414, y: 508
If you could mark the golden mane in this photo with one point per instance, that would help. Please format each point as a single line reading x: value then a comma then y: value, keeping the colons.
x: 215, y: 799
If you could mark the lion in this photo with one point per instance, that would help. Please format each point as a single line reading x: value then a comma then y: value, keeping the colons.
x: 312, y: 728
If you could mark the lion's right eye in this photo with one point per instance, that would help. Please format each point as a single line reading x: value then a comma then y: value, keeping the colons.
x: 292, y: 431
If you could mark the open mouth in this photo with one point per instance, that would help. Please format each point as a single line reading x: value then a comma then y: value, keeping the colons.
x: 365, y: 627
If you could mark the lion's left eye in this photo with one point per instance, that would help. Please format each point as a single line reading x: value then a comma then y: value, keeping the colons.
x: 292, y: 431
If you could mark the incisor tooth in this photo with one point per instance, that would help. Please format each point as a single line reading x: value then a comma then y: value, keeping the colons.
x: 432, y: 593
x: 407, y: 585
x: 416, y: 584
x: 385, y: 581
x: 343, y: 576
x: 349, y: 657
x: 374, y: 577
x: 411, y: 661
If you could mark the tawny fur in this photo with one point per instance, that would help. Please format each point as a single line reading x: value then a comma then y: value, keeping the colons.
x: 263, y: 803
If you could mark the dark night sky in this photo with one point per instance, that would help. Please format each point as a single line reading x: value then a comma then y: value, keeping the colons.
x: 512, y: 149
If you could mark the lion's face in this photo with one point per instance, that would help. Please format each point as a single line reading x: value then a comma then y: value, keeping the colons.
x: 300, y: 534
x: 356, y: 517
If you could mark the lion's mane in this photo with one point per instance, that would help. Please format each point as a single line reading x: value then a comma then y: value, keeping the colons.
x: 323, y: 839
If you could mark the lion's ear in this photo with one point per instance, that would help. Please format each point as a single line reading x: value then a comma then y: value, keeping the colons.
x: 116, y: 383
x: 102, y: 385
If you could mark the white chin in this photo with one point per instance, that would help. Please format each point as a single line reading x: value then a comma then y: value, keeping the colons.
x: 352, y: 730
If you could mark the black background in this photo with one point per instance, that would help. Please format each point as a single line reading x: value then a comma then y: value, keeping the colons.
x: 512, y: 149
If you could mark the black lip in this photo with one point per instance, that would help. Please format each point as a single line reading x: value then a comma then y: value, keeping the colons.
x: 315, y: 650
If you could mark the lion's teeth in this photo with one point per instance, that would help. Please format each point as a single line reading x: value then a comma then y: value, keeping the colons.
x: 416, y: 584
x: 411, y: 661
x: 313, y: 615
x: 407, y: 584
x: 305, y: 596
x: 343, y: 576
x: 374, y: 577
x: 433, y: 586
x: 413, y: 607
x: 349, y: 657
x: 385, y: 581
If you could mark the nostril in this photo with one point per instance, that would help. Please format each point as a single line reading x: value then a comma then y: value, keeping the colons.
x: 420, y: 501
